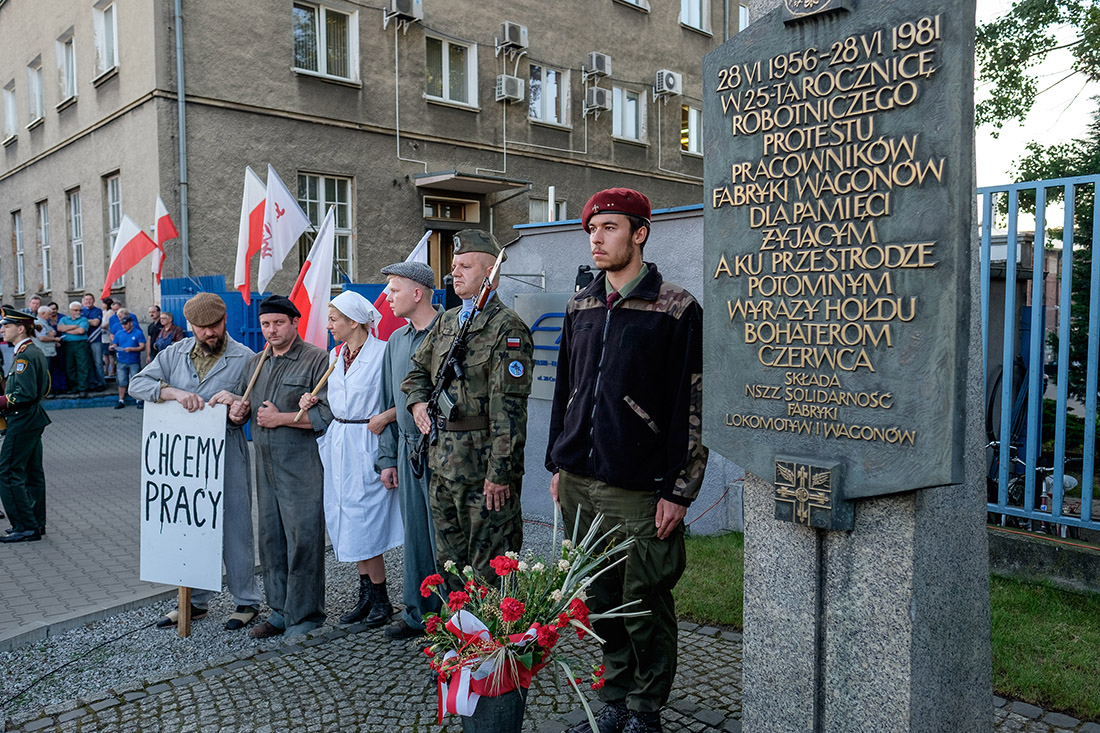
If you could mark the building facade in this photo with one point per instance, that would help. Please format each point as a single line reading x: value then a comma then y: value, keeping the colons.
x: 406, y: 115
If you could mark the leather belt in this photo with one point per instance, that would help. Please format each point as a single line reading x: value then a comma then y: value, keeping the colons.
x: 351, y: 422
x: 463, y: 424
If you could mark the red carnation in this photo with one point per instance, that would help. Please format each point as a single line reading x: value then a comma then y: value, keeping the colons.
x: 457, y: 600
x: 511, y: 609
x: 504, y: 565
x: 431, y: 580
x: 432, y: 624
x: 563, y: 620
x: 548, y: 637
x: 428, y: 652
x: 598, y: 684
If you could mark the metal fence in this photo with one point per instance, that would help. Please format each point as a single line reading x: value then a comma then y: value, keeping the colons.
x: 1028, y: 486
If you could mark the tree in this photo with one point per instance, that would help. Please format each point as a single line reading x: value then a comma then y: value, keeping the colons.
x: 1008, y: 49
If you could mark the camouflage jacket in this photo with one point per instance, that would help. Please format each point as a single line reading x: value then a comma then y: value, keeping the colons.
x: 496, y: 384
x: 628, y: 401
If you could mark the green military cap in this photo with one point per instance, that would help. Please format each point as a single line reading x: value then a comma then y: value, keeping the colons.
x: 476, y: 240
x: 15, y: 317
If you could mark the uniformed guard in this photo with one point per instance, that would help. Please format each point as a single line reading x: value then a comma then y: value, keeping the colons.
x: 22, y: 480
x: 477, y: 461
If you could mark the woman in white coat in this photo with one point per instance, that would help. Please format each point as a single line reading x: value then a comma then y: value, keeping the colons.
x: 363, y: 517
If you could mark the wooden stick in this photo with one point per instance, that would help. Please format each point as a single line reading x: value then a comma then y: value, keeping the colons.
x: 183, y: 621
x: 256, y: 374
x: 321, y: 384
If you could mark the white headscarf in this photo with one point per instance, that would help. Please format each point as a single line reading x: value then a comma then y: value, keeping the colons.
x: 356, y: 307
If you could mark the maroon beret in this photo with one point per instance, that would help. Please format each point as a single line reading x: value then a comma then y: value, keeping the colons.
x: 616, y: 201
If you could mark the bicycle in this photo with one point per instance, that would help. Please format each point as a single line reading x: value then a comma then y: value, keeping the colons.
x: 1044, y: 494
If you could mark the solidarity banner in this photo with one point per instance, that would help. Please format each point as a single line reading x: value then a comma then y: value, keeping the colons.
x: 182, y: 475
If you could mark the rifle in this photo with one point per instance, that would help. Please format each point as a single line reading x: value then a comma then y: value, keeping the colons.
x: 449, y: 370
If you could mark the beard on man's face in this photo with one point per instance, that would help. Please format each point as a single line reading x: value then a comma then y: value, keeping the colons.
x: 212, y: 344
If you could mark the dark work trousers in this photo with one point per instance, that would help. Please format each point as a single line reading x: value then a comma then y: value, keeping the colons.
x: 639, y: 653
x: 419, y: 549
x: 22, y: 480
x: 78, y: 363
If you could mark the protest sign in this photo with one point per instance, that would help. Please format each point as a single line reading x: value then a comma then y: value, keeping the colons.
x: 182, y: 476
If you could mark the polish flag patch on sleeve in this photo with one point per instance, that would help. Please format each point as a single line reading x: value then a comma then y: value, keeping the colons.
x: 513, y: 342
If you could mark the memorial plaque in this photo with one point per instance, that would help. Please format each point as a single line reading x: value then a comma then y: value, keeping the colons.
x: 838, y: 149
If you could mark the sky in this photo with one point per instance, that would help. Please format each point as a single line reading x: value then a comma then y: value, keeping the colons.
x: 1060, y: 115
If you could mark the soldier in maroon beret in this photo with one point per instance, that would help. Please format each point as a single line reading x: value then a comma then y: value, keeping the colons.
x: 631, y: 449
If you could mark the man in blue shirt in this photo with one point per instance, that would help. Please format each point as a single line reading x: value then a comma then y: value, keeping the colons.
x: 129, y: 342
x: 95, y: 339
x: 74, y: 344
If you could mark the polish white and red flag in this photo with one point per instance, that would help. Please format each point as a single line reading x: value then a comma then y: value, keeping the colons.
x: 250, y: 232
x: 284, y: 222
x: 389, y: 323
x: 164, y: 231
x: 313, y: 289
x: 130, y: 247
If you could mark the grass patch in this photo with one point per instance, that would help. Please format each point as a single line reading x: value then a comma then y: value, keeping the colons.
x: 1046, y: 640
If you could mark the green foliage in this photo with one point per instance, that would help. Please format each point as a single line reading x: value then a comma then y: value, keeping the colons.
x: 1009, y: 47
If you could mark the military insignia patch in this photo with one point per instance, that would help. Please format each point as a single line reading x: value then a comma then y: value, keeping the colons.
x: 20, y: 365
x: 513, y: 342
x: 515, y: 369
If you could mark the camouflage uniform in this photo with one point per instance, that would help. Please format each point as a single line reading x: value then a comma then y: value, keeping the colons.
x: 484, y: 438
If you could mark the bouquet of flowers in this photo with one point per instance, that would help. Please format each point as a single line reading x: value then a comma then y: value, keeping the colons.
x: 493, y: 637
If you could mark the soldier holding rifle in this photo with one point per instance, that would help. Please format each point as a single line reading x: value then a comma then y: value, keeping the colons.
x: 480, y: 422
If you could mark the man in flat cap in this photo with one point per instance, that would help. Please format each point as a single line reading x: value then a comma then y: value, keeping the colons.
x: 411, y: 285
x: 290, y: 482
x: 631, y: 449
x: 191, y: 372
x: 477, y: 463
x: 22, y: 480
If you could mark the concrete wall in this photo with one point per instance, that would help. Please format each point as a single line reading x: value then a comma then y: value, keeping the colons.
x: 676, y: 247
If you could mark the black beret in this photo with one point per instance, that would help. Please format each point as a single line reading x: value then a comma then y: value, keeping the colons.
x: 279, y: 304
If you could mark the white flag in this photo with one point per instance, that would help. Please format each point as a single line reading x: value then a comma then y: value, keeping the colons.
x: 314, y: 287
x: 284, y: 222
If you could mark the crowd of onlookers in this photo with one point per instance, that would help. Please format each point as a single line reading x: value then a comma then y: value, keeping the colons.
x: 89, y: 346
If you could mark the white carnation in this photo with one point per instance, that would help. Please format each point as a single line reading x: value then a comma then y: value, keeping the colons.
x: 556, y: 596
x: 538, y: 567
x: 449, y: 566
x: 522, y: 566
x: 563, y: 565
x: 567, y: 544
x: 512, y: 555
x: 468, y: 570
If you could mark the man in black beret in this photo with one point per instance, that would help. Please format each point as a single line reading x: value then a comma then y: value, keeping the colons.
x: 290, y: 488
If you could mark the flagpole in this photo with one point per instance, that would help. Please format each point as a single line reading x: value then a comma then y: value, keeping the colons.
x: 256, y: 373
x: 323, y: 380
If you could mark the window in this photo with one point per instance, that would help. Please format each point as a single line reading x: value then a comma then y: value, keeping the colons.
x: 316, y: 194
x: 640, y: 4
x: 742, y: 16
x: 66, y: 67
x: 35, y: 101
x: 326, y: 41
x: 76, y: 238
x: 17, y: 237
x: 43, y: 210
x: 106, y: 38
x: 693, y: 13
x: 691, y: 130
x: 539, y: 210
x: 628, y: 115
x: 113, y: 184
x: 549, y: 101
x: 11, y: 116
x: 451, y: 71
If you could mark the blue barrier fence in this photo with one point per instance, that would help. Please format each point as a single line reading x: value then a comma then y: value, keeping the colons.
x: 1025, y: 485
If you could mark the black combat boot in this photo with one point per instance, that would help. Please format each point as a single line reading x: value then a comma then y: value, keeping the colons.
x: 381, y: 609
x: 362, y: 608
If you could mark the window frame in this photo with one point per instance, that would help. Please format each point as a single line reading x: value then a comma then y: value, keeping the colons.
x: 642, y: 5
x: 686, y: 136
x: 315, y: 209
x: 17, y: 241
x: 76, y: 236
x: 65, y: 47
x: 36, y: 95
x: 113, y: 220
x: 105, y: 35
x: 544, y: 203
x: 470, y: 48
x: 617, y: 115
x: 743, y: 18
x: 321, y: 35
x: 564, y: 96
x: 688, y: 8
x: 11, y: 113
x: 42, y: 219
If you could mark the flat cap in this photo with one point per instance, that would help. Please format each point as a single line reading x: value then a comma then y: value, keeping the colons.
x: 279, y: 304
x: 616, y: 201
x: 204, y: 309
x: 476, y: 240
x: 15, y: 317
x: 418, y: 272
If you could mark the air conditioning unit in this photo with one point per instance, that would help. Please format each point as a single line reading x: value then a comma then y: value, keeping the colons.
x: 406, y: 9
x: 668, y: 82
x: 599, y: 64
x: 597, y: 99
x: 509, y: 88
x: 513, y: 35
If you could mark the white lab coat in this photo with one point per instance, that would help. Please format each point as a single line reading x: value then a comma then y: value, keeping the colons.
x: 363, y: 518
